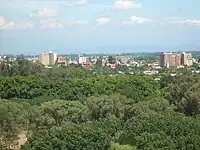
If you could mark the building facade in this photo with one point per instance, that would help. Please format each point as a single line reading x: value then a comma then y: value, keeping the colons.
x: 184, y: 59
x: 178, y: 60
x: 175, y: 59
x: 61, y: 61
x: 44, y: 58
x: 190, y: 59
x: 163, y: 60
x: 123, y: 59
x: 48, y: 58
x: 82, y: 60
x: 52, y: 58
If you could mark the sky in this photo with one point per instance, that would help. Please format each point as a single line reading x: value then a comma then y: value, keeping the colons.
x: 98, y: 26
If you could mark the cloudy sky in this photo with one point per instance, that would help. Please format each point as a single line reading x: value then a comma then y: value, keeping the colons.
x: 75, y: 26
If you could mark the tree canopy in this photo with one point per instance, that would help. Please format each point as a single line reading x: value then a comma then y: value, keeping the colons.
x: 70, y: 108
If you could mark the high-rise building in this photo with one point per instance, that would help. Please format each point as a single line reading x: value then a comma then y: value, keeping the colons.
x: 172, y: 60
x: 44, y: 58
x: 175, y: 60
x: 190, y: 59
x: 48, y: 58
x: 184, y: 59
x: 82, y: 59
x: 178, y: 60
x: 52, y: 58
x: 163, y: 60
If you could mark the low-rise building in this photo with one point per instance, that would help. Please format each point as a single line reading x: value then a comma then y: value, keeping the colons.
x: 112, y: 66
x: 150, y: 72
x: 61, y: 60
x: 87, y: 65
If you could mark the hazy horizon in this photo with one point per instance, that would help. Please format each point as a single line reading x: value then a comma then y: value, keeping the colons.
x: 111, y: 50
x: 92, y: 26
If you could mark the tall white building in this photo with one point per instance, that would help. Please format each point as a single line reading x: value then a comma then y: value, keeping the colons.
x: 52, y: 58
x: 44, y: 58
x: 82, y: 59
x: 48, y: 58
x: 190, y: 59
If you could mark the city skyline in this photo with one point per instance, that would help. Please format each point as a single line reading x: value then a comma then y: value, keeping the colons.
x: 91, y: 26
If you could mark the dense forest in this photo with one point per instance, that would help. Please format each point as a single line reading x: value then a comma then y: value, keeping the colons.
x: 70, y: 108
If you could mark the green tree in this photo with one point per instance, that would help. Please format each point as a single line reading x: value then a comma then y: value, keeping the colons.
x: 111, y: 59
x: 182, y: 92
x: 12, y: 123
x: 56, y: 112
x: 116, y: 146
x: 76, y: 137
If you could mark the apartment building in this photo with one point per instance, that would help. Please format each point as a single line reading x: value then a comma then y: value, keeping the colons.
x: 175, y: 59
x: 48, y: 59
x: 82, y: 59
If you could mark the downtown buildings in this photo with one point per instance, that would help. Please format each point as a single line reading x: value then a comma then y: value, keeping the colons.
x: 48, y: 59
x: 175, y: 59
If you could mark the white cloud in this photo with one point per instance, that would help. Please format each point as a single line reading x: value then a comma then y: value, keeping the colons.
x: 49, y: 20
x: 53, y: 25
x: 80, y: 22
x: 188, y: 22
x: 82, y: 2
x: 14, y: 25
x: 137, y: 20
x: 102, y: 21
x: 2, y: 21
x: 44, y: 12
x: 50, y: 23
x: 126, y: 4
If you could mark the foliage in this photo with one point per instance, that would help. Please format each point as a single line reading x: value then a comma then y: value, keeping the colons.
x: 76, y: 137
x: 20, y: 67
x: 21, y: 87
x: 13, y: 118
x: 111, y: 59
x: 183, y: 93
x: 138, y: 88
x: 163, y: 129
x: 116, y: 146
x: 70, y: 108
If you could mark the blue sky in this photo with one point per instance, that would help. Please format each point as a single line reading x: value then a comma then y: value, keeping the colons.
x: 76, y: 26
